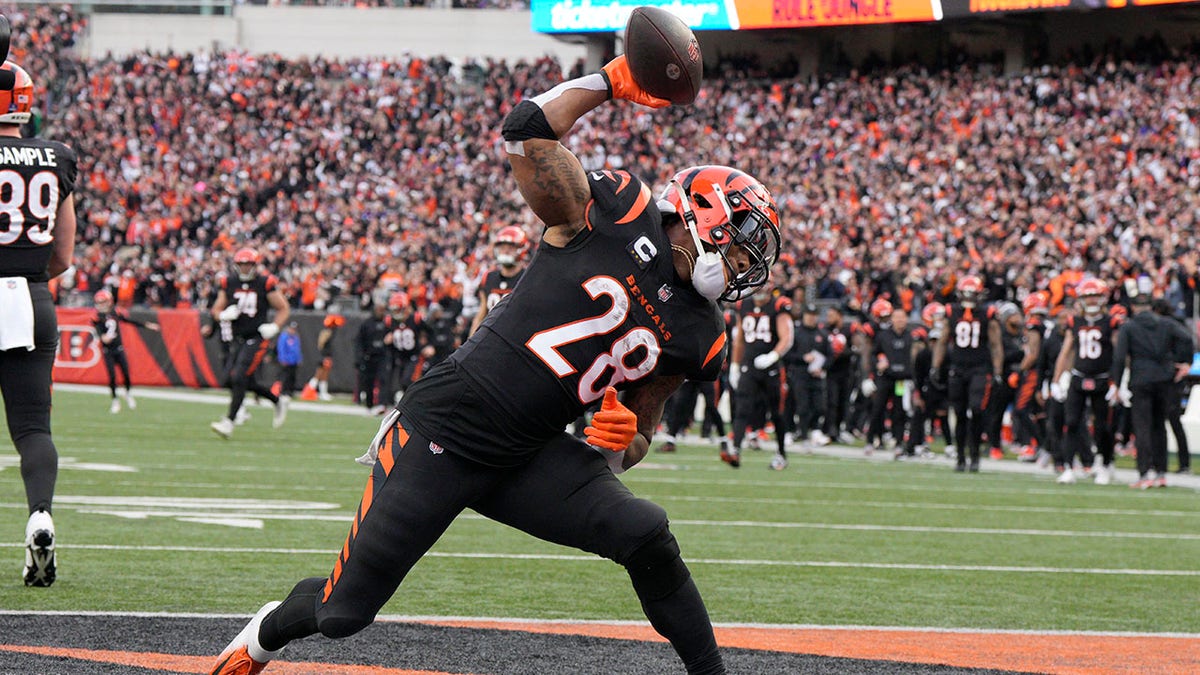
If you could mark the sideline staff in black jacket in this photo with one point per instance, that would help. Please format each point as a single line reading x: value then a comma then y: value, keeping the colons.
x: 1159, y: 352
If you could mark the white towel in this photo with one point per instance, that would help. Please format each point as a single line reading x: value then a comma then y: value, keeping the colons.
x: 16, y: 314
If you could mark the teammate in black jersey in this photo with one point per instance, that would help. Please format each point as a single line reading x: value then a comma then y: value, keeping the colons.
x: 37, y: 240
x: 762, y: 336
x: 971, y: 348
x: 1082, y: 374
x: 620, y: 295
x: 1007, y: 375
x: 107, y: 325
x: 245, y: 302
x: 509, y: 249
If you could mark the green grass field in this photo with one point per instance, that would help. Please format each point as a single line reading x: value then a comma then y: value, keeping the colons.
x: 830, y: 541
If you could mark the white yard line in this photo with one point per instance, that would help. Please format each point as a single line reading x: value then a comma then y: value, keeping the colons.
x: 989, y: 569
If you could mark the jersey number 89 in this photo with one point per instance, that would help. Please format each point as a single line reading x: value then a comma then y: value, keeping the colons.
x: 40, y: 198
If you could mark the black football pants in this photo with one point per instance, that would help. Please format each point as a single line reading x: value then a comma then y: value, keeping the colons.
x: 967, y: 393
x: 245, y: 356
x: 115, y: 359
x: 1079, y: 443
x: 566, y: 495
x: 25, y: 385
x: 1151, y: 403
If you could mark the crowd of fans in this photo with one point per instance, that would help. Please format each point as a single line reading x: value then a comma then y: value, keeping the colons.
x: 892, y: 183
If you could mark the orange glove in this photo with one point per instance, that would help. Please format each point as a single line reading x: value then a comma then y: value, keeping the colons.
x: 614, y: 426
x: 620, y: 81
x: 1013, y: 380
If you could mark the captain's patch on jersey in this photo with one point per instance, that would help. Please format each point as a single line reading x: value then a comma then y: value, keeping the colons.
x: 642, y: 250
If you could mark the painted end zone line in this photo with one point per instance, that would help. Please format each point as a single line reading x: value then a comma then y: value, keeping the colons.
x: 1053, y: 652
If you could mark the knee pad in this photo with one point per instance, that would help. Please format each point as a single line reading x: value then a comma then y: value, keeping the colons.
x: 655, y: 568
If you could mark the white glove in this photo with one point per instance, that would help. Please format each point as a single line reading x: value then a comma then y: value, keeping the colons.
x: 372, y: 453
x: 764, y: 361
x: 735, y: 374
x: 1057, y: 392
x: 229, y: 313
x: 1064, y: 382
x: 1125, y: 396
x: 1111, y: 394
x: 868, y: 387
x: 1046, y: 391
x: 268, y: 330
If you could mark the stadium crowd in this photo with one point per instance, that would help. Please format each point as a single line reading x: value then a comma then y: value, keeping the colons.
x: 342, y: 171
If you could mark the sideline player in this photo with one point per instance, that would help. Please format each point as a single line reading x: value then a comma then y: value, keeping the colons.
x: 1081, y: 374
x: 762, y: 336
x: 36, y: 246
x: 972, y: 347
x: 107, y: 325
x: 509, y: 249
x: 244, y: 302
x: 621, y: 294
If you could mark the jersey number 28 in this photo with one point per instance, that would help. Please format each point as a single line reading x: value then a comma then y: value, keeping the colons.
x: 611, y: 367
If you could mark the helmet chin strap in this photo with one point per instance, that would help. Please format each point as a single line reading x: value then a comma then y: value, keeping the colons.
x: 708, y: 273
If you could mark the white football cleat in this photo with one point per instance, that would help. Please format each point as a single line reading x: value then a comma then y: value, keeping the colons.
x: 223, y: 427
x: 40, y: 567
x: 818, y: 437
x: 1067, y: 477
x: 242, y: 416
x: 244, y: 656
x: 281, y: 408
x: 1104, y: 475
x: 116, y: 406
x: 129, y: 401
x: 779, y: 463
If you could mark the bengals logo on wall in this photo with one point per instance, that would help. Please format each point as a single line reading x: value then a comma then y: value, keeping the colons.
x: 78, y: 347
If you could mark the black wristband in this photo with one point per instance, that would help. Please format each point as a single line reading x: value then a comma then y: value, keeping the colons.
x: 527, y: 121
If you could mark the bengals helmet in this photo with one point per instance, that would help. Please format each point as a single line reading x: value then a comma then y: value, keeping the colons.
x: 246, y: 260
x: 726, y: 207
x: 511, y: 236
x: 16, y: 103
x: 103, y: 299
x: 969, y: 290
x: 1118, y: 312
x: 881, y: 309
x: 1037, y: 303
x: 933, y: 313
x: 1091, y: 294
x: 334, y: 321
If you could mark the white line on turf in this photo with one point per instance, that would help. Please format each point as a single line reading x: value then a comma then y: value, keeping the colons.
x: 200, y: 508
x: 990, y: 569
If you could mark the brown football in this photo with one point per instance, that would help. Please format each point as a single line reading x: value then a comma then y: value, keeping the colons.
x: 663, y: 54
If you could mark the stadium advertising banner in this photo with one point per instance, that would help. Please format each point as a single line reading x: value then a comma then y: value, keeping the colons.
x: 583, y: 16
x: 959, y: 8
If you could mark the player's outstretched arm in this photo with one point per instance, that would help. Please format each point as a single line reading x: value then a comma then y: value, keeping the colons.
x: 550, y: 177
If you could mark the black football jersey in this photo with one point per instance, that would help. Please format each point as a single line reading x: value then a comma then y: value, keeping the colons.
x: 967, y: 338
x: 405, y: 334
x: 758, y: 324
x: 251, y: 299
x: 495, y: 286
x: 1093, y: 343
x: 108, y: 325
x: 35, y: 177
x: 606, y: 309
